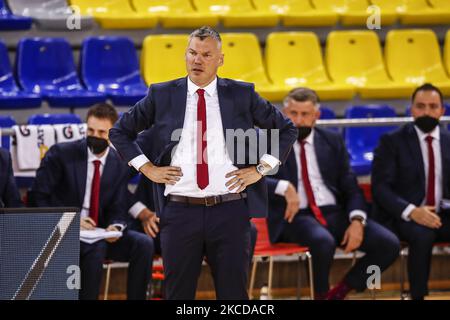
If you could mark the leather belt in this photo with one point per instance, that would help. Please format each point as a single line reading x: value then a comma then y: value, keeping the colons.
x: 209, y: 201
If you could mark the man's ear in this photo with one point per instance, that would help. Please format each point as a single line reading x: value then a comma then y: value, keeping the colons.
x: 318, y: 113
x: 221, y: 59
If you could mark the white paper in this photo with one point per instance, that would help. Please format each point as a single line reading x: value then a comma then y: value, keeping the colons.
x: 91, y: 236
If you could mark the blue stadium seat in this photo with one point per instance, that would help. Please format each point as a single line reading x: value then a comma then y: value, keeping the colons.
x: 6, y: 122
x: 54, y: 118
x: 9, y: 21
x: 361, y: 141
x: 110, y: 65
x: 10, y: 95
x: 328, y: 114
x: 46, y: 66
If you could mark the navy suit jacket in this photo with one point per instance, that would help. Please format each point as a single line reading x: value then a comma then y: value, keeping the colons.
x: 334, y: 166
x: 61, y: 182
x: 398, y: 176
x: 164, y: 109
x: 9, y: 194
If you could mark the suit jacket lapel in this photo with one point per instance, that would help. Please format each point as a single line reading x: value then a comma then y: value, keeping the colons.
x: 322, y: 156
x: 445, y: 160
x: 291, y: 166
x: 416, y: 152
x: 80, y: 170
x: 178, y: 100
x: 226, y: 104
x: 108, y: 174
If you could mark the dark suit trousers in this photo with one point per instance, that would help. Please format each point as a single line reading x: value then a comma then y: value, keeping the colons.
x: 133, y: 247
x: 420, y: 241
x: 381, y: 246
x: 221, y: 233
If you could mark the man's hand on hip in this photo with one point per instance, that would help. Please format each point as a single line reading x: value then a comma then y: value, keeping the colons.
x: 169, y: 175
x: 242, y: 178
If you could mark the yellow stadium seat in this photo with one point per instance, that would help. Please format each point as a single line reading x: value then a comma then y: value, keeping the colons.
x: 440, y: 4
x: 447, y: 52
x: 163, y: 58
x: 243, y: 61
x: 414, y: 57
x: 354, y: 12
x: 175, y: 13
x: 298, y: 12
x: 294, y: 59
x: 355, y: 57
x: 420, y: 12
x: 237, y: 13
x: 115, y: 14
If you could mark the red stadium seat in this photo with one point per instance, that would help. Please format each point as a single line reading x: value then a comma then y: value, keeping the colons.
x: 265, y: 249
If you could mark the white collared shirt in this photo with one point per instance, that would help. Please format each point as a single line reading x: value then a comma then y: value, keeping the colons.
x: 437, y: 167
x: 185, y: 156
x: 322, y: 195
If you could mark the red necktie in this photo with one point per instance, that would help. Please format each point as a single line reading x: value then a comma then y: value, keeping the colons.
x: 430, y: 191
x: 95, y: 192
x: 307, y: 184
x: 202, y: 155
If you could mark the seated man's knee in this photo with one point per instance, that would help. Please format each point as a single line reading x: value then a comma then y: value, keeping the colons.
x: 323, y: 242
x: 422, y: 237
x: 144, y: 244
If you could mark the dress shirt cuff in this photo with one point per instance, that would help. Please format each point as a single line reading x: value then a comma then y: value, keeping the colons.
x: 357, y: 213
x: 270, y: 160
x: 119, y: 226
x: 136, y: 209
x: 407, y: 212
x: 138, y: 162
x: 281, y: 188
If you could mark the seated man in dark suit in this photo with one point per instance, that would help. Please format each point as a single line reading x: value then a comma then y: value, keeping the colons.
x: 315, y: 201
x: 410, y: 176
x: 90, y: 175
x: 9, y: 194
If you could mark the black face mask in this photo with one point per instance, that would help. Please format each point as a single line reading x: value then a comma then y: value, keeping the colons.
x: 426, y: 123
x: 96, y: 145
x: 303, y: 132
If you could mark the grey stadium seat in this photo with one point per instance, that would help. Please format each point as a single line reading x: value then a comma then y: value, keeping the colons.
x: 48, y: 14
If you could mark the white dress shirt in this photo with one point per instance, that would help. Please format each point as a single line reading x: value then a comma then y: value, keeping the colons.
x: 185, y: 156
x: 90, y: 175
x: 322, y: 195
x: 437, y: 167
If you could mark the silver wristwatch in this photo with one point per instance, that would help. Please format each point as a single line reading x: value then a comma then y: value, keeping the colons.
x: 262, y: 169
x: 360, y: 219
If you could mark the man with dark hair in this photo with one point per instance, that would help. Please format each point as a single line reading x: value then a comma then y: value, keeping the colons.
x: 9, y: 194
x: 90, y: 175
x: 410, y: 177
x: 315, y: 201
x: 204, y: 194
